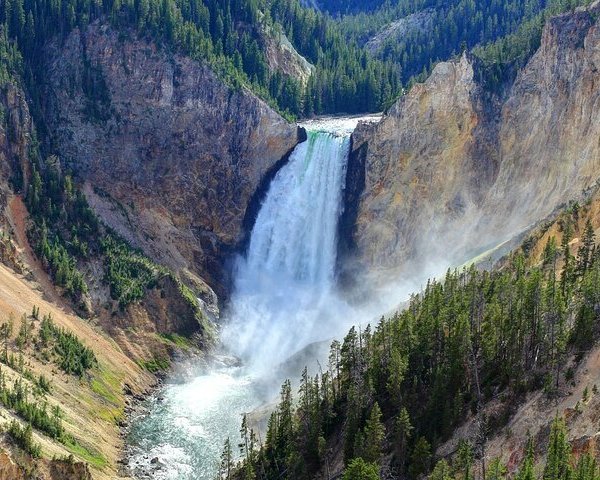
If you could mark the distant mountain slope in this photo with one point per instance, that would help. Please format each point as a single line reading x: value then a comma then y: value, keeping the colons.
x: 417, y: 35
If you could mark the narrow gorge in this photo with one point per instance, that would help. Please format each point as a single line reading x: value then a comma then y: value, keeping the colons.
x: 301, y: 240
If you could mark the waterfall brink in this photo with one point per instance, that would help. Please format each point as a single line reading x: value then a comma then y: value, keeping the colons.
x: 283, y: 288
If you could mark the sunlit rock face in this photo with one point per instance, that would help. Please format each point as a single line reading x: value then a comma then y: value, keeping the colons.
x: 170, y: 153
x: 550, y: 125
x: 452, y: 168
x: 422, y: 166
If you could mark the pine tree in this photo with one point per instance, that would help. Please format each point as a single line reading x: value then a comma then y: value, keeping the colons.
x: 246, y: 447
x: 374, y: 434
x: 441, y: 471
x: 496, y: 470
x: 587, y: 468
x: 402, y: 433
x: 227, y: 463
x: 465, y: 460
x: 358, y: 469
x: 559, y: 451
x: 5, y: 332
x: 420, y: 458
x: 526, y: 472
x: 586, y: 251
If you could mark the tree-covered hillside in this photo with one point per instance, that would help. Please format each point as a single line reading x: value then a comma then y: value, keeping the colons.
x: 396, y: 390
x: 230, y: 36
x: 337, y: 7
x: 452, y: 26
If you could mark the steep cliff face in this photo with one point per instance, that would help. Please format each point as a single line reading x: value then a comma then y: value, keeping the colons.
x: 16, y: 132
x: 451, y: 168
x: 425, y: 165
x: 550, y: 125
x: 171, y: 155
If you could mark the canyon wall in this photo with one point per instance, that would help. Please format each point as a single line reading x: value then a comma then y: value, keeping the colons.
x: 452, y: 168
x: 171, y: 155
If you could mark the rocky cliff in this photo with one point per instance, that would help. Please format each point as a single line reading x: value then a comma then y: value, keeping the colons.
x: 451, y: 167
x: 171, y: 156
x: 92, y: 406
x: 15, y: 138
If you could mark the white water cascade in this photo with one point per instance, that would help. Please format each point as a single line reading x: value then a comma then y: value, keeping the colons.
x: 283, y: 287
x: 284, y: 299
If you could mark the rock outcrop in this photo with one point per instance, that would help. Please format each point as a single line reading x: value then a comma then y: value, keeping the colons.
x: 16, y: 131
x: 284, y: 58
x: 401, y: 28
x: 451, y: 168
x: 170, y: 154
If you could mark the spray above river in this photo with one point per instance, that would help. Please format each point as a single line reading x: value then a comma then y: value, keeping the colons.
x: 283, y: 299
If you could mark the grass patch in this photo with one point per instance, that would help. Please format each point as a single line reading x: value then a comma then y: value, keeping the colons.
x: 108, y: 386
x: 155, y: 365
x: 93, y: 457
x: 177, y: 340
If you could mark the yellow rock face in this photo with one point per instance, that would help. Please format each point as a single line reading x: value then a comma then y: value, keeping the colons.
x: 451, y: 168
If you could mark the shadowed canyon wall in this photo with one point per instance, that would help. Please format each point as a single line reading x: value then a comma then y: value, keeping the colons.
x: 170, y: 154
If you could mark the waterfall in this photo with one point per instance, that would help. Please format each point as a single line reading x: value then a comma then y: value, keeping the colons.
x: 283, y: 287
x: 284, y: 298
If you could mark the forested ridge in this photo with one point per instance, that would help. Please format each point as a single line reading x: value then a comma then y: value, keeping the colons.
x: 503, y: 34
x: 340, y: 7
x: 229, y: 35
x: 397, y: 389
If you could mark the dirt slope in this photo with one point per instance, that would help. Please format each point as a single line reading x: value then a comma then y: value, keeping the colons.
x: 93, y: 407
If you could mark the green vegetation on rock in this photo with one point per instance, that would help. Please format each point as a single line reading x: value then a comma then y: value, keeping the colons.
x: 401, y: 388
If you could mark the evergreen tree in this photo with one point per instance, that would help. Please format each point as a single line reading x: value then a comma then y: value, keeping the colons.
x: 402, y: 433
x: 358, y: 469
x: 465, y: 460
x: 227, y: 463
x: 586, y: 251
x: 526, y: 472
x: 496, y: 470
x: 420, y: 458
x: 374, y: 435
x: 559, y: 452
x: 587, y: 468
x: 441, y: 471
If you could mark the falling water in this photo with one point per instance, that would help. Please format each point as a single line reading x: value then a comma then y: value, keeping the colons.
x: 284, y: 284
x: 283, y: 299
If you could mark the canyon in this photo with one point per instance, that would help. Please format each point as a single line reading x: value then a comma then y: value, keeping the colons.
x: 178, y: 162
